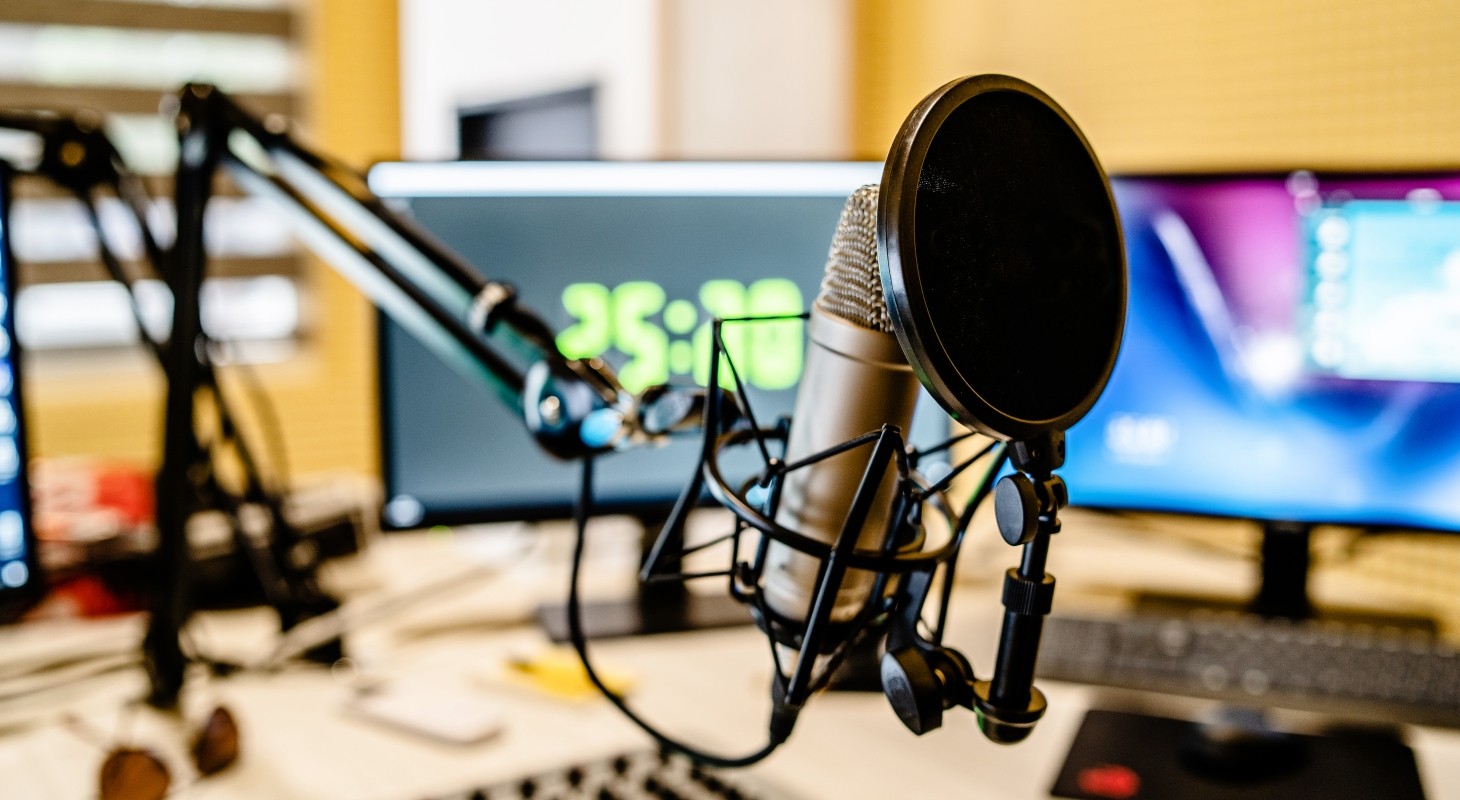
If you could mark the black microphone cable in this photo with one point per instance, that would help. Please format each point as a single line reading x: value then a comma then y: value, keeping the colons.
x: 582, y: 510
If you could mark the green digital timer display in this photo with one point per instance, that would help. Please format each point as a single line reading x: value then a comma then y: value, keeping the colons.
x: 661, y: 337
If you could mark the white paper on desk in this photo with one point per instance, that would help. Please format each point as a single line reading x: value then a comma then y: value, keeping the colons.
x: 455, y: 715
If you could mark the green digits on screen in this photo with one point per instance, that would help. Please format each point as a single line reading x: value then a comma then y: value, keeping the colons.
x: 721, y: 299
x: 592, y: 306
x: 776, y: 344
x: 646, y: 344
x: 663, y: 337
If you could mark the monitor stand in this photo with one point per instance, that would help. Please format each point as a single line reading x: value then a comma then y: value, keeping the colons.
x: 1282, y: 591
x: 661, y: 607
x: 1237, y: 753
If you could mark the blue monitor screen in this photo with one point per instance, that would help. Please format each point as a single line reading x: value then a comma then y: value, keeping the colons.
x: 628, y: 261
x: 1292, y: 352
x: 17, y: 544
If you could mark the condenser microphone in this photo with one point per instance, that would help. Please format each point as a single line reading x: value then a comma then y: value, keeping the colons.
x: 855, y: 380
x: 988, y: 267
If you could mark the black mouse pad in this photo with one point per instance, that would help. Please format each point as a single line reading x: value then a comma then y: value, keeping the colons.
x: 1122, y: 756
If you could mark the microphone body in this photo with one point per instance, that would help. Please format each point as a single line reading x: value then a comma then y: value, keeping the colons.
x: 855, y: 380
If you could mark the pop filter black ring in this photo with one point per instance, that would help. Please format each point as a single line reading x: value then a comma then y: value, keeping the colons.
x: 863, y: 559
x: 902, y: 278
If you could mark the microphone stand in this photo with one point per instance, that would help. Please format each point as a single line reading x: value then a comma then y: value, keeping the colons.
x: 573, y: 408
x: 922, y: 678
x: 1026, y: 507
x: 78, y: 156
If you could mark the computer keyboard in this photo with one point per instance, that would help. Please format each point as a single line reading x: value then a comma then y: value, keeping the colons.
x: 636, y: 775
x: 1326, y: 666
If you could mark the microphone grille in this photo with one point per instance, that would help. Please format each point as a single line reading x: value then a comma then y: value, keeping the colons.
x: 852, y: 286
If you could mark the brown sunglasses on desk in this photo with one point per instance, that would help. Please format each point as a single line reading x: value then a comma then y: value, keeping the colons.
x: 131, y: 773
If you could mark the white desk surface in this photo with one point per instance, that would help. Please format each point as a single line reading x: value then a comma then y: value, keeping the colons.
x: 711, y: 687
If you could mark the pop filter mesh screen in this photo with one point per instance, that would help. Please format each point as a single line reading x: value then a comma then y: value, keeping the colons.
x: 1019, y: 256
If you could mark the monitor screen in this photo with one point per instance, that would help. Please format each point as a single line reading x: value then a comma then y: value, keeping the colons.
x: 629, y: 261
x: 19, y: 577
x: 1292, y: 352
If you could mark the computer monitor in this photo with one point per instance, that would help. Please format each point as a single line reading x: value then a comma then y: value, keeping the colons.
x: 1291, y: 356
x: 20, y: 581
x: 629, y: 261
x: 1292, y: 352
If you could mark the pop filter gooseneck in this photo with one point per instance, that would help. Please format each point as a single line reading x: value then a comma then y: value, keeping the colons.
x: 1004, y: 267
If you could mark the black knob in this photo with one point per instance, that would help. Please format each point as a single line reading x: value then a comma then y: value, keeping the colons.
x: 527, y: 788
x: 575, y: 776
x: 1016, y: 508
x: 620, y: 765
x: 913, y: 688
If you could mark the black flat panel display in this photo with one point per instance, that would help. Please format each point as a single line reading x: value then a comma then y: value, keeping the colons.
x: 629, y: 261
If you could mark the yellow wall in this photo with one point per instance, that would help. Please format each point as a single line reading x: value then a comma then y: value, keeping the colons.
x: 355, y: 116
x: 325, y: 396
x: 1199, y: 84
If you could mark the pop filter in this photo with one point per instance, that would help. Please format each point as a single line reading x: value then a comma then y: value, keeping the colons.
x: 1001, y: 256
x: 1002, y: 261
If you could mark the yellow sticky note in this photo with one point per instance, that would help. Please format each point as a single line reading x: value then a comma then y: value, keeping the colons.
x: 558, y: 673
